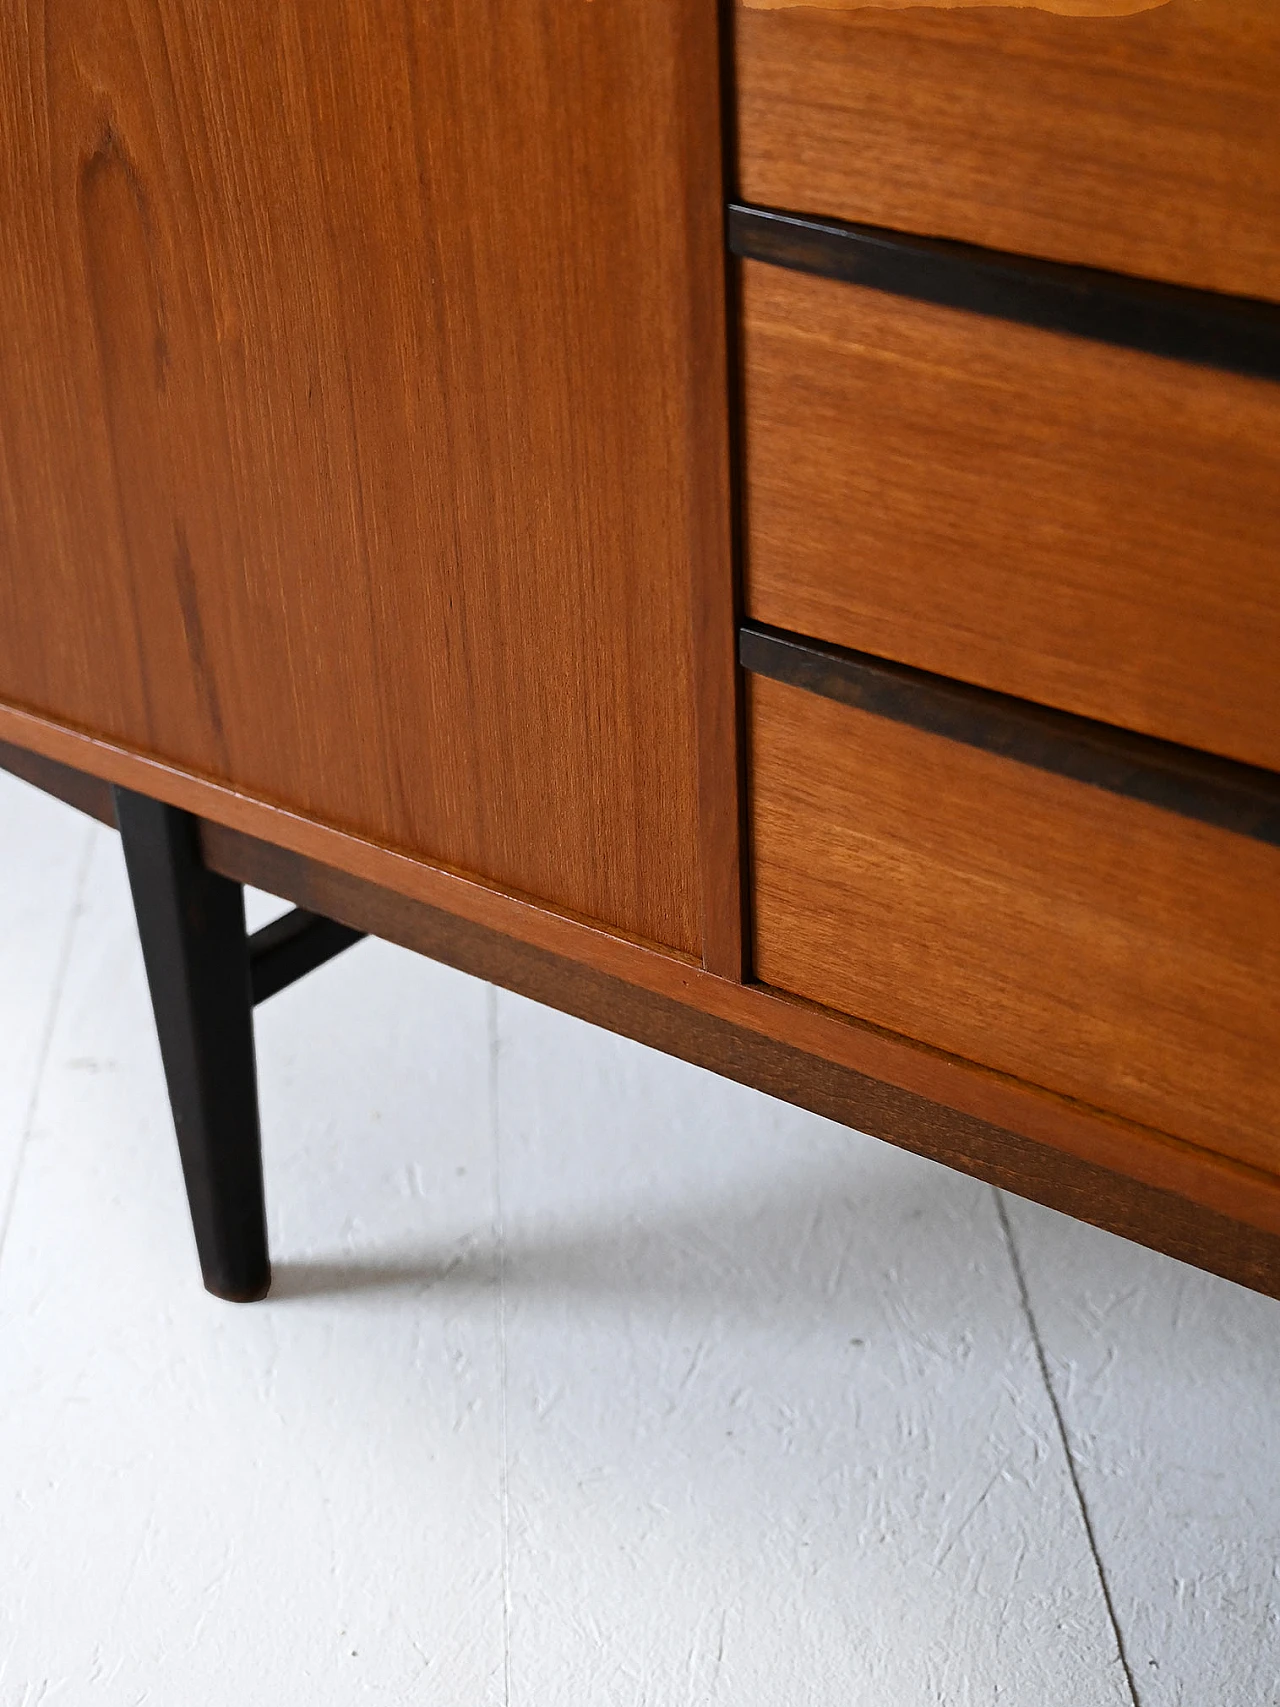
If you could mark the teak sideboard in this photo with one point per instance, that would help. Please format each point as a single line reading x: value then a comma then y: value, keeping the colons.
x: 756, y: 526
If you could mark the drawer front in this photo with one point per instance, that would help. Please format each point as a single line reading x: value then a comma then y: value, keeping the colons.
x: 361, y: 418
x: 1145, y: 142
x: 1104, y: 949
x: 1077, y: 524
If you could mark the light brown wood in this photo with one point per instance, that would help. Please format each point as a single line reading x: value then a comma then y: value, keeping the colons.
x: 1084, y: 526
x: 1147, y: 144
x: 1104, y: 949
x: 1198, y: 1177
x: 360, y: 405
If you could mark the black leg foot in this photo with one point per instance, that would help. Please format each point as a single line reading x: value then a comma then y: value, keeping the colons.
x: 191, y: 922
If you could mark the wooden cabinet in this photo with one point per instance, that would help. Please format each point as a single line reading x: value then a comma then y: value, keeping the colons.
x: 395, y: 461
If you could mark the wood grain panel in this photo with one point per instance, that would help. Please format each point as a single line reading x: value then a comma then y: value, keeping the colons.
x: 1102, y: 948
x: 891, y: 1082
x: 1147, y: 144
x: 361, y: 407
x: 1084, y: 526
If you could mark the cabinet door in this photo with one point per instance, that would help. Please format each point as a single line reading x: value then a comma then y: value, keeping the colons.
x: 360, y: 415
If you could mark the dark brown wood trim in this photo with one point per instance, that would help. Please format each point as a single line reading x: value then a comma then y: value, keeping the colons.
x: 456, y: 891
x: 1239, y: 334
x: 1162, y: 1219
x: 86, y: 793
x: 1231, y: 796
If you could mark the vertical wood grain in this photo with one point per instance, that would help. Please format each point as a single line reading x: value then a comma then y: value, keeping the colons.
x: 362, y: 419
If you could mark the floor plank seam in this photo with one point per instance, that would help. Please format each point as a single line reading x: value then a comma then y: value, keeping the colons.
x: 689, y: 1387
x: 1020, y: 1279
x: 500, y: 1243
x: 91, y: 837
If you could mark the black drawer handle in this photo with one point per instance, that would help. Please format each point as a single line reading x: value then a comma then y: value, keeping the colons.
x: 1238, y: 333
x: 1231, y: 796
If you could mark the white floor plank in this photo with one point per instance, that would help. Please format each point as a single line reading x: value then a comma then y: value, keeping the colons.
x: 43, y: 849
x: 776, y: 1429
x: 294, y: 1502
x: 1169, y: 1382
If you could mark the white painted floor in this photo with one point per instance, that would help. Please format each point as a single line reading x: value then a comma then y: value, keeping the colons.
x: 588, y: 1379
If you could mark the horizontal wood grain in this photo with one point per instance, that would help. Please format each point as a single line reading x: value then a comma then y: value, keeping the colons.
x: 362, y: 420
x: 1231, y: 796
x: 1083, y: 526
x: 1145, y: 144
x: 1101, y: 948
x: 287, y: 844
x: 77, y: 788
x: 1156, y: 1215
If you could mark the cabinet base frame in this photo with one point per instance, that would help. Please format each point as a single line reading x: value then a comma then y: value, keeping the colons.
x: 1160, y: 1219
x: 1169, y: 1220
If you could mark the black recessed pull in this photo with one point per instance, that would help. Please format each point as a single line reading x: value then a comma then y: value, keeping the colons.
x: 1231, y: 796
x: 1236, y: 333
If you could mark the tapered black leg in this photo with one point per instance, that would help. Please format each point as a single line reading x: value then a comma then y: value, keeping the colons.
x: 191, y: 922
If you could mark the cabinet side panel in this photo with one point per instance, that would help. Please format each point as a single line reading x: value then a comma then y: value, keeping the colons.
x: 349, y: 448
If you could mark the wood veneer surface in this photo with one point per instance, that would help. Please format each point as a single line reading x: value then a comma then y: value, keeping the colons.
x: 1145, y: 143
x: 89, y: 794
x: 1079, y: 525
x: 360, y: 401
x: 1102, y: 948
x: 1160, y: 1214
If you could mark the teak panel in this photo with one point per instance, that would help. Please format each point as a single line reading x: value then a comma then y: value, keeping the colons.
x: 361, y: 405
x: 1107, y: 950
x: 1146, y: 143
x: 1076, y: 524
